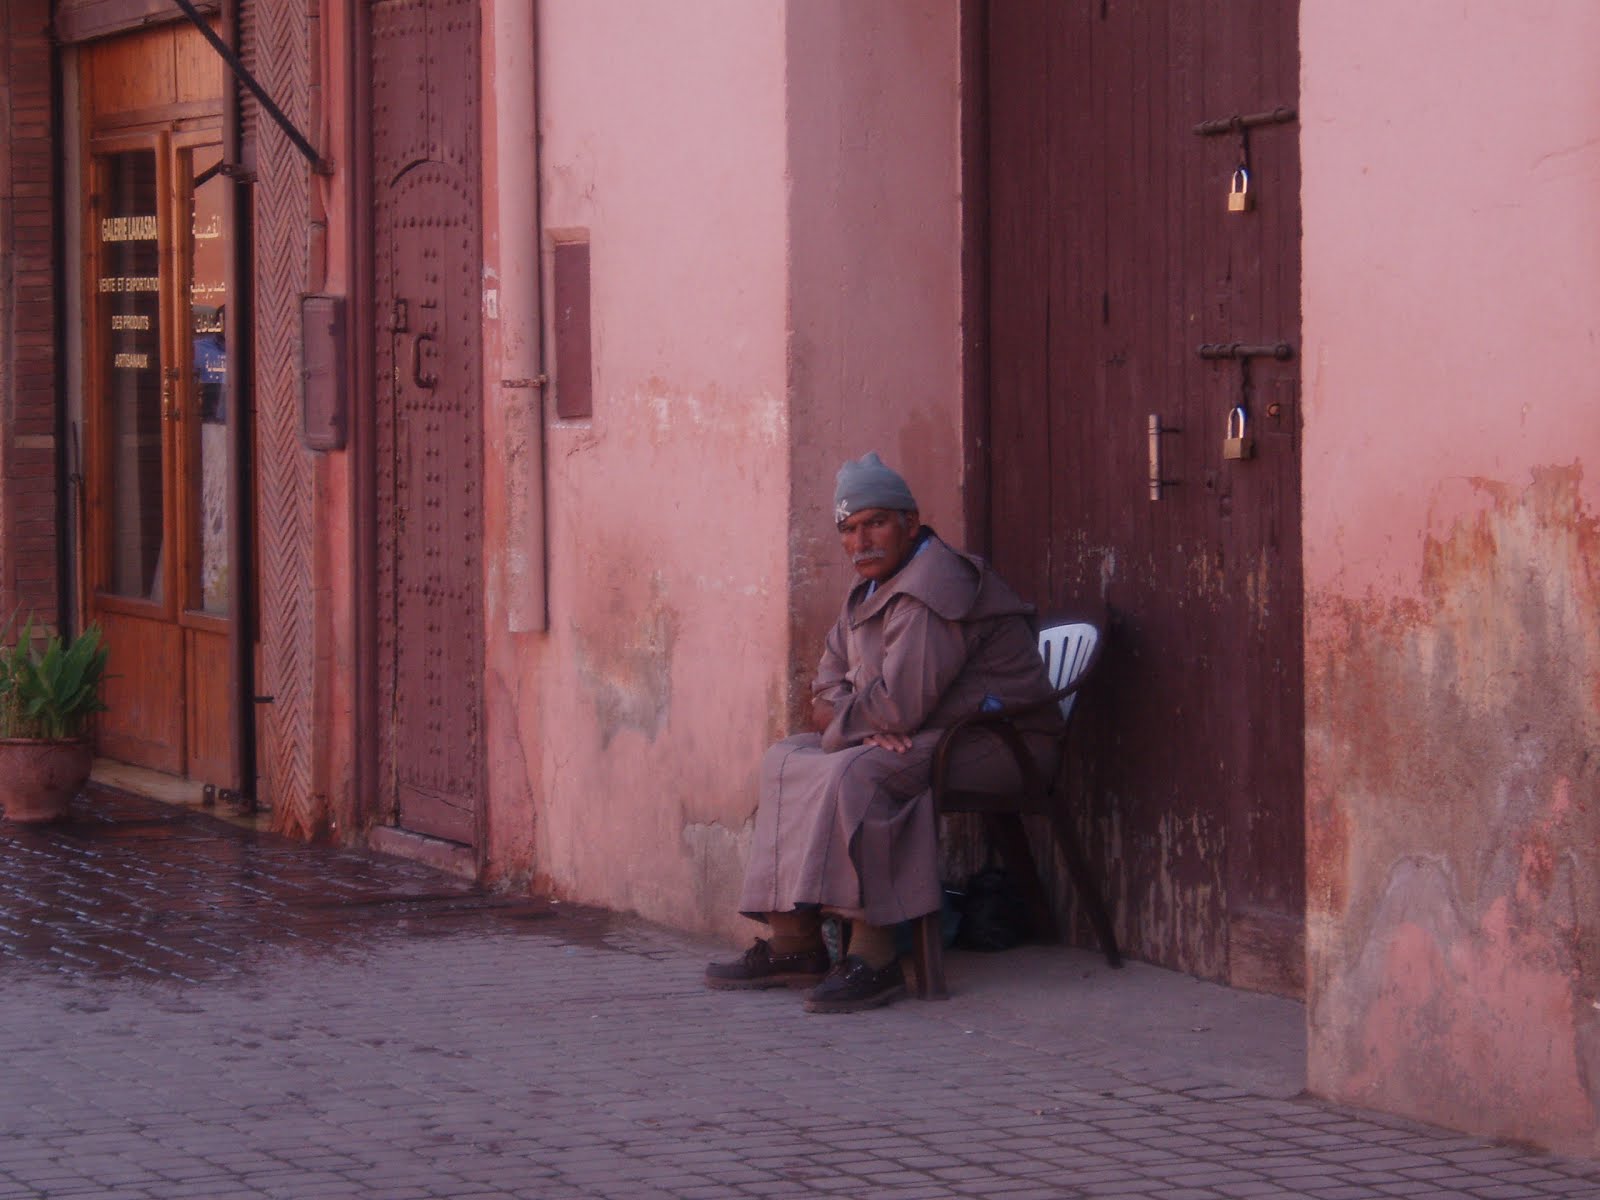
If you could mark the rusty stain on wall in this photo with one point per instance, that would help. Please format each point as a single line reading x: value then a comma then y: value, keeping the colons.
x: 1453, y: 766
x: 623, y: 640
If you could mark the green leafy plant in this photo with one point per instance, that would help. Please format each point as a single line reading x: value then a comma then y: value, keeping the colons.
x: 50, y: 689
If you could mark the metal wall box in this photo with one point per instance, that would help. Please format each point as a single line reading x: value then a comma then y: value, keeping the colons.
x: 323, y: 411
x: 574, y: 365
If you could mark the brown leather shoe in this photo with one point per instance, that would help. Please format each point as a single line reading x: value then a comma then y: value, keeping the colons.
x: 759, y: 967
x: 852, y: 986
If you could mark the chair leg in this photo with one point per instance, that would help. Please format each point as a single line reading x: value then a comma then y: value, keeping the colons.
x: 927, y: 953
x: 1088, y: 893
x: 1007, y: 835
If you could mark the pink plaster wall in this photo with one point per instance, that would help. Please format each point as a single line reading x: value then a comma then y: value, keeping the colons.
x: 1452, y: 302
x: 875, y: 291
x: 770, y: 191
x: 627, y: 737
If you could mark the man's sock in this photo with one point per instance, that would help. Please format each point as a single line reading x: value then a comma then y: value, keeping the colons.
x: 872, y: 943
x: 795, y: 932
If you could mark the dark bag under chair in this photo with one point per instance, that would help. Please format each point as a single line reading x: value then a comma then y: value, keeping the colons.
x: 994, y: 913
x: 1069, y: 649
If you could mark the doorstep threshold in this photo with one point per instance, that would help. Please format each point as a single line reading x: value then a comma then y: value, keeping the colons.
x: 450, y: 857
x: 172, y: 789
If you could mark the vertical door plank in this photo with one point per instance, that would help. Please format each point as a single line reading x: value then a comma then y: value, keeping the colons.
x: 208, y: 713
x: 1021, y: 468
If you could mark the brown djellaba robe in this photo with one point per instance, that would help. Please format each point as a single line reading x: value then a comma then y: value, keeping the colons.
x: 851, y: 828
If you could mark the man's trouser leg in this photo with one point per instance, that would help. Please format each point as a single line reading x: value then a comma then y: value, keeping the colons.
x: 874, y: 944
x: 795, y: 932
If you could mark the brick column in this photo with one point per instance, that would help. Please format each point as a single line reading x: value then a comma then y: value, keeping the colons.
x: 28, y: 398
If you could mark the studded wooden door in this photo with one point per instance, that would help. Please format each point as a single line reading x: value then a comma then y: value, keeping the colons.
x: 1114, y: 256
x: 429, y: 425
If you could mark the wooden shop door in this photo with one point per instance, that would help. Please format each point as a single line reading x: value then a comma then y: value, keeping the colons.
x: 1115, y: 255
x: 159, y: 484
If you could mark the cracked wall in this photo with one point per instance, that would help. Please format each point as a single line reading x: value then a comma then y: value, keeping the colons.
x: 1453, y: 881
x: 1451, y: 538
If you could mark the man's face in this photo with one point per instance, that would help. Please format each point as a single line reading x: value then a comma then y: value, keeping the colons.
x: 877, y: 540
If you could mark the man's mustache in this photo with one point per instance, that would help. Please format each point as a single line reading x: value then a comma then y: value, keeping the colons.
x: 868, y: 556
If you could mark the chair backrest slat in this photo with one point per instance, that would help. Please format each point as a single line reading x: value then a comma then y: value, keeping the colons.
x: 1067, y: 649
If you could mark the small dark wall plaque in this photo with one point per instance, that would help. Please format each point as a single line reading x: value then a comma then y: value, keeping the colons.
x: 574, y: 368
x: 322, y: 384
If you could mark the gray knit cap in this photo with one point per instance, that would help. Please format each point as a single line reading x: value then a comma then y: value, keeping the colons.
x: 867, y: 483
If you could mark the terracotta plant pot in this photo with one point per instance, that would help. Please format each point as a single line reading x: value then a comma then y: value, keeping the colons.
x: 39, y: 777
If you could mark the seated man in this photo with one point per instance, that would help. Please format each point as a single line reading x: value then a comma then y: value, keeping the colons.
x: 846, y: 825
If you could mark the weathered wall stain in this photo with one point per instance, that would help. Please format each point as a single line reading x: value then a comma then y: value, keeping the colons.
x: 716, y: 854
x: 1451, y: 787
x: 514, y: 747
x: 623, y: 642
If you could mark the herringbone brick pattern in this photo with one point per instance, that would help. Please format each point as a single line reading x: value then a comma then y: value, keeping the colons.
x: 279, y: 46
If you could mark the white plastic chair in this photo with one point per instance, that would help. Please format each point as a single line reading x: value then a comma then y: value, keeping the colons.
x: 1070, y: 649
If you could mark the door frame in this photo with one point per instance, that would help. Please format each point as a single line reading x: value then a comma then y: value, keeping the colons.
x: 974, y: 168
x: 360, y: 370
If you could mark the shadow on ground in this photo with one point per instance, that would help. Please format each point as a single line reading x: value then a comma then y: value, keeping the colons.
x: 131, y: 888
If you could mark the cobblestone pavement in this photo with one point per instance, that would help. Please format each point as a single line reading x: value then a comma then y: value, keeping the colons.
x: 193, y: 1010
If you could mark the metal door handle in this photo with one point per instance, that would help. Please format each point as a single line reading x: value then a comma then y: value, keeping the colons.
x: 1154, y: 429
x: 427, y: 381
x: 169, y: 395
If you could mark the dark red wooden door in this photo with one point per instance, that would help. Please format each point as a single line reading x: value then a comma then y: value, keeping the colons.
x: 429, y: 420
x: 1113, y: 257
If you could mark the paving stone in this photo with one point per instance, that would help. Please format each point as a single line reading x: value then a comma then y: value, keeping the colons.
x: 195, y: 1011
x: 1124, y: 1187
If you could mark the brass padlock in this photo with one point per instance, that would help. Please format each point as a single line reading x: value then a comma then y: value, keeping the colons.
x: 1237, y: 444
x: 1239, y: 198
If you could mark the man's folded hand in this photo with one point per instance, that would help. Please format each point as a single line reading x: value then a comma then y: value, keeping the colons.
x: 898, y: 742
